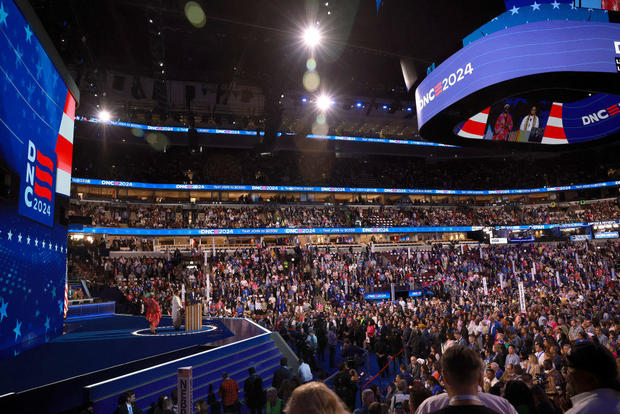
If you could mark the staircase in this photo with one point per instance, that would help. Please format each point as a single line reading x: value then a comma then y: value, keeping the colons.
x: 262, y: 352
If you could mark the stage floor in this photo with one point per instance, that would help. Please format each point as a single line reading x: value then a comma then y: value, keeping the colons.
x: 97, y: 344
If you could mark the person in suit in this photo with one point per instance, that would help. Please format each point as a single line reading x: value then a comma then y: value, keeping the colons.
x: 253, y: 392
x: 127, y: 404
x: 283, y: 372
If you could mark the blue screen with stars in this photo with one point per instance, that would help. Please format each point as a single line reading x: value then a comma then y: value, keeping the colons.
x: 35, y: 142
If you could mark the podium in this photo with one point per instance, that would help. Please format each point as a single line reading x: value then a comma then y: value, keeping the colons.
x: 193, y: 317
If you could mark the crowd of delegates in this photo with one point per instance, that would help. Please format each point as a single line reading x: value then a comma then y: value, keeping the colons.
x: 313, y: 296
x: 266, y: 216
x: 176, y: 165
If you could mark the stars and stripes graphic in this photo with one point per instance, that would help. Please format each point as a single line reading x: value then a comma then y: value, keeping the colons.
x: 438, y: 88
x: 554, y: 132
x: 43, y: 177
x: 64, y: 147
x: 475, y: 126
x: 66, y: 304
x: 613, y: 110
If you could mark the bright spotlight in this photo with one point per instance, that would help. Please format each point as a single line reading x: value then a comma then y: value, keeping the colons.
x: 104, y: 115
x: 359, y: 104
x: 323, y: 102
x: 312, y: 36
x: 304, y: 100
x: 409, y: 109
x: 385, y: 107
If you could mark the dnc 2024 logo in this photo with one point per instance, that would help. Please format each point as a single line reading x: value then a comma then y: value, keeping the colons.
x: 36, y: 199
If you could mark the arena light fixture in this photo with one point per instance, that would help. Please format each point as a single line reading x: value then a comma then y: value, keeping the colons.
x: 323, y: 102
x: 104, y: 115
x: 312, y: 37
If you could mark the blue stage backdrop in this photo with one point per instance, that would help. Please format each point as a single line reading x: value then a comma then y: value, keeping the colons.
x: 36, y: 146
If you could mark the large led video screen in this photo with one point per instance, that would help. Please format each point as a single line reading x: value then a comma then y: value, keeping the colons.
x: 545, y: 122
x: 539, y: 58
x: 36, y: 145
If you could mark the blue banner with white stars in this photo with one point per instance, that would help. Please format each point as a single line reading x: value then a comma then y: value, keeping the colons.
x: 529, y: 11
x: 32, y: 281
x: 33, y: 244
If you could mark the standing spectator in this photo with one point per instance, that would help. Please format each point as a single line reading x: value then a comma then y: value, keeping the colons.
x: 274, y: 404
x: 512, y: 357
x: 229, y: 394
x: 342, y: 383
x: 400, y: 400
x: 489, y: 379
x: 462, y: 372
x: 127, y: 404
x: 592, y: 380
x: 382, y: 357
x: 315, y: 398
x: 311, y: 345
x: 215, y: 407
x: 304, y: 372
x: 253, y: 392
x: 201, y: 407
x: 282, y: 373
x: 332, y: 342
x: 368, y: 397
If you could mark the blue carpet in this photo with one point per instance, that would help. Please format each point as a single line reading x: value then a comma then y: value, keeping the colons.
x: 96, y: 344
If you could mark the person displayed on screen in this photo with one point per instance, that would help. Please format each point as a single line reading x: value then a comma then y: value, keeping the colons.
x: 530, y: 121
x: 503, y: 125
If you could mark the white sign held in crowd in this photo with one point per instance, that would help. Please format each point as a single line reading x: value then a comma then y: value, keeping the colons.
x: 522, y: 297
x: 484, y: 286
x: 184, y: 391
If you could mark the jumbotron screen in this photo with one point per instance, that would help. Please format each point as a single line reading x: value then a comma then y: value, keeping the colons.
x: 36, y: 144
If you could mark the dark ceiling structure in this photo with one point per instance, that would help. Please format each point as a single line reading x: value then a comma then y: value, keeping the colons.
x: 258, y: 40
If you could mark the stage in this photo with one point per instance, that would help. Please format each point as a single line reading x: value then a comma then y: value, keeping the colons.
x: 95, y: 349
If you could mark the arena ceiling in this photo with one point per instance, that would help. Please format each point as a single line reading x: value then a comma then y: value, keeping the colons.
x: 258, y: 40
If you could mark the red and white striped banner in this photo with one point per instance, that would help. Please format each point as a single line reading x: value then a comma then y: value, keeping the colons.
x: 64, y: 147
x: 554, y: 132
x: 475, y: 126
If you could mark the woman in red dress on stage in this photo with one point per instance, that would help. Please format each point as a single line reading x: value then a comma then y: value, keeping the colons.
x: 153, y: 312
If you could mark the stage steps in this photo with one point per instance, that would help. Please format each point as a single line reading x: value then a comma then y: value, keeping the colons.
x: 261, y: 352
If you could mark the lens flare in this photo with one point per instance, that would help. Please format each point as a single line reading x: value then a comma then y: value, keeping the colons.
x: 195, y: 14
x: 311, y: 81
